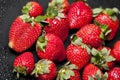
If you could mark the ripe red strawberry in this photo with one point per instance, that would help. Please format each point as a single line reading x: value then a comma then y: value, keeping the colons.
x: 24, y: 64
x: 23, y: 34
x: 58, y: 27
x: 68, y: 72
x: 116, y: 50
x: 114, y: 74
x: 50, y: 47
x: 33, y: 9
x: 91, y: 72
x: 79, y: 14
x: 103, y: 58
x: 77, y: 53
x: 91, y: 35
x: 45, y: 70
x: 57, y: 19
x: 108, y: 18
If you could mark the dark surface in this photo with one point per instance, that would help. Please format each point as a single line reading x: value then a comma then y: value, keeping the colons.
x: 9, y: 10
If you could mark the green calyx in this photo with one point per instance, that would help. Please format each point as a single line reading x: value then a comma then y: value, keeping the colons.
x: 78, y: 41
x: 41, y: 19
x: 41, y: 42
x: 32, y: 20
x: 27, y: 8
x: 66, y: 72
x: 99, y: 58
x: 105, y: 31
x: 110, y: 11
x: 20, y: 70
x: 98, y: 76
x: 28, y: 19
x: 55, y: 9
x: 41, y: 67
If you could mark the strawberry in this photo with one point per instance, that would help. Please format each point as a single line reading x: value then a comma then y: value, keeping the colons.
x: 114, y: 74
x: 108, y: 18
x: 91, y: 72
x: 23, y: 33
x: 57, y: 19
x: 58, y: 27
x: 79, y: 14
x: 45, y: 70
x: 91, y: 35
x: 102, y: 58
x: 50, y: 47
x: 68, y: 72
x: 116, y: 50
x: 78, y: 53
x: 24, y: 64
x: 32, y: 8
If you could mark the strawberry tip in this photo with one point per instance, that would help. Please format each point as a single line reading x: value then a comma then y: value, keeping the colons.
x: 10, y: 44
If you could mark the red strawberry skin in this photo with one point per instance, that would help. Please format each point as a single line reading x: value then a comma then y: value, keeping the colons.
x: 77, y: 55
x: 58, y: 27
x: 79, y: 14
x: 112, y: 24
x: 25, y: 60
x: 90, y: 35
x: 90, y: 70
x: 114, y: 74
x: 22, y: 35
x: 116, y: 51
x: 36, y: 9
x: 54, y: 49
x: 51, y: 75
x: 76, y: 77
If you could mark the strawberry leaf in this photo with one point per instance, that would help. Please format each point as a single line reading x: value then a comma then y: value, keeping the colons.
x: 20, y: 70
x: 41, y: 43
x: 26, y: 8
x: 101, y: 57
x: 110, y: 58
x: 97, y: 11
x: 41, y: 67
x: 76, y: 40
x: 40, y: 18
x: 98, y: 76
x: 66, y: 72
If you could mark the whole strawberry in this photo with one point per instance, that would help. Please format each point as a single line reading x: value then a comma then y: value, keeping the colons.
x: 91, y: 72
x: 79, y: 15
x: 114, y: 74
x: 91, y: 35
x: 107, y: 18
x: 24, y: 64
x: 32, y: 8
x: 50, y: 47
x: 78, y: 53
x: 116, y: 50
x: 103, y: 58
x: 68, y: 72
x: 23, y: 33
x: 45, y: 70
x: 57, y: 19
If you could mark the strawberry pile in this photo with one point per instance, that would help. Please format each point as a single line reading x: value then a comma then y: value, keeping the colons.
x: 86, y: 57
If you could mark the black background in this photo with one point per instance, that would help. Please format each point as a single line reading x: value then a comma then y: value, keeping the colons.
x: 9, y: 10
